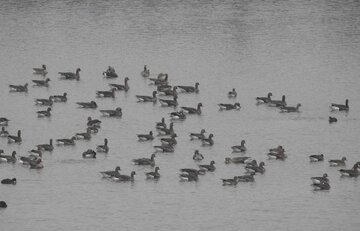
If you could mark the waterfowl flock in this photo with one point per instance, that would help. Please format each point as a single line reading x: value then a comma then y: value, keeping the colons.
x: 166, y: 130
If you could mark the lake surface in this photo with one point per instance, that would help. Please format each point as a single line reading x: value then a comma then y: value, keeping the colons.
x: 306, y: 50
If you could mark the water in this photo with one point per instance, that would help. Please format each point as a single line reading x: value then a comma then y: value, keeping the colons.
x: 306, y: 50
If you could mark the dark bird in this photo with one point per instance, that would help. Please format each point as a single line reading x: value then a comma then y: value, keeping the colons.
x: 290, y: 109
x: 44, y: 102
x: 46, y: 147
x: 83, y: 135
x: 199, y: 136
x: 178, y: 115
x: 66, y: 141
x: 71, y: 75
x: 104, y: 147
x: 9, y: 181
x: 261, y: 100
x: 106, y: 94
x: 93, y: 122
x: 119, y: 177
x: 237, y: 160
x: 169, y: 102
x: 167, y: 131
x: 320, y: 179
x: 15, y: 139
x: 190, y: 89
x: 111, y: 173
x: 278, y: 103
x: 112, y: 113
x: 255, y: 169
x: 232, y: 93
x: 239, y: 148
x: 8, y: 158
x: 145, y: 72
x: 153, y: 175
x: 332, y: 120
x: 197, y: 156
x: 19, y: 88
x: 145, y: 98
x: 231, y: 181
x: 335, y: 163
x: 316, y: 158
x: 145, y: 161
x: 41, y: 83
x: 226, y: 106
x: 145, y: 137
x: 4, y: 121
x: 91, y: 104
x: 208, y: 167
x: 354, y: 172
x: 208, y: 141
x: 170, y: 140
x: 60, y: 98
x: 40, y: 70
x: 192, y: 110
x: 45, y: 113
x: 164, y: 148
x: 89, y: 154
x: 120, y: 87
x: 3, y: 132
x: 340, y: 107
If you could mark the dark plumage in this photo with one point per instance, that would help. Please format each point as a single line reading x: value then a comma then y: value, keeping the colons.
x: 153, y: 175
x: 104, y: 147
x: 89, y: 154
x: 145, y: 98
x: 120, y: 87
x: 267, y: 99
x: 145, y: 161
x: 199, y: 136
x: 106, y: 94
x: 71, y: 75
x: 192, y: 110
x: 46, y: 147
x: 112, y: 113
x: 15, y: 139
x: 60, y: 98
x: 168, y: 102
x: 225, y: 106
x: 208, y: 167
x: 91, y: 104
x: 145, y: 137
x: 340, y: 107
x: 41, y: 83
x: 9, y: 181
x: 315, y: 158
x: 45, y: 113
x: 19, y: 88
x: 190, y: 89
x: 208, y: 141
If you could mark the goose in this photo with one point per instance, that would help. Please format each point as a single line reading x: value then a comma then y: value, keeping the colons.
x: 277, y: 149
x: 239, y: 148
x: 290, y: 109
x: 208, y: 141
x: 44, y: 113
x: 71, y: 75
x: 60, y: 98
x: 193, y: 171
x: 112, y: 113
x: 4, y: 121
x: 190, y: 89
x: 225, y: 106
x: 262, y: 100
x: 167, y: 131
x: 93, y: 122
x: 160, y: 81
x: 145, y: 137
x: 332, y: 120
x: 354, y: 172
x: 93, y: 129
x: 9, y: 181
x: 83, y: 135
x: 89, y: 154
x: 191, y: 176
x: 337, y: 162
x: 169, y: 92
x: 246, y: 178
x: 145, y: 161
x: 168, y: 102
x: 197, y: 156
x: 322, y: 186
x: 260, y: 168
x: 37, y: 164
x: 66, y: 141
x: 198, y: 136
x: 208, y: 167
x: 3, y: 132
x: 110, y: 173
x: 192, y: 110
x: 340, y: 107
x: 26, y: 160
x: 164, y: 87
x: 106, y: 94
x: 44, y: 102
x: 35, y: 153
x: 153, y: 175
x: 46, y: 147
x: 232, y: 93
x: 40, y: 70
x: 164, y: 148
x: 120, y: 87
x: 41, y: 83
x: 91, y: 104
x: 145, y: 98
x: 320, y: 179
x: 316, y: 158
x: 145, y: 72
x: 120, y: 177
x: 19, y: 88
x: 231, y: 181
x: 104, y: 147
x: 278, y: 103
x: 110, y: 73
x: 8, y: 158
x: 161, y: 124
x: 178, y: 115
x: 237, y: 160
x: 15, y: 139
x: 169, y: 141
x: 3, y: 204
x: 277, y: 155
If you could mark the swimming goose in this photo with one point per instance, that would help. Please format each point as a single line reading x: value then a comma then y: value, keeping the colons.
x: 277, y: 149
x: 106, y: 94
x: 71, y: 75
x: 41, y: 83
x: 316, y: 158
x: 164, y: 87
x: 3, y: 204
x: 246, y: 178
x: 340, y: 107
x: 44, y: 113
x: 110, y: 73
x: 93, y: 122
x: 9, y: 181
x: 120, y: 87
x: 19, y: 88
x: 145, y: 161
x: 26, y: 160
x: 91, y: 104
x: 320, y: 179
x: 290, y: 109
x: 46, y: 147
x: 208, y: 167
x: 332, y: 119
x: 112, y: 113
x: 239, y: 148
x: 168, y: 102
x: 60, y: 98
x: 167, y: 131
x: 3, y: 132
x: 278, y: 103
x: 337, y: 162
x: 89, y: 154
x: 40, y: 71
x: 103, y: 148
x: 237, y: 160
x: 322, y: 186
x: 8, y: 158
x: 145, y: 98
x: 169, y: 141
x: 192, y: 110
x: 178, y: 115
x: 44, y: 102
x: 145, y: 72
x: 15, y: 139
x: 153, y: 175
x: 164, y: 148
x: 232, y: 94
x: 231, y: 181
x: 261, y: 100
x: 119, y: 177
x: 145, y: 137
x: 197, y: 156
x: 277, y: 155
x: 188, y: 177
x: 65, y: 141
x: 160, y: 81
x: 111, y: 173
x: 4, y: 121
x: 193, y: 171
x: 190, y: 89
x: 83, y: 135
x: 260, y: 168
x: 169, y: 92
x: 199, y: 136
x: 354, y: 172
x: 225, y: 106
x: 208, y: 141
x: 161, y: 124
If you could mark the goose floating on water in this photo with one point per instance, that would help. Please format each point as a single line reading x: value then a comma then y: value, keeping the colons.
x: 226, y: 106
x: 19, y: 88
x: 40, y: 70
x: 232, y: 93
x: 41, y: 83
x: 340, y: 107
x: 120, y: 87
x: 91, y: 104
x: 261, y: 100
x: 112, y: 113
x: 104, y: 147
x: 71, y: 75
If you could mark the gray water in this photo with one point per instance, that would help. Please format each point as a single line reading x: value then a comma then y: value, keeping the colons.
x: 306, y: 50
